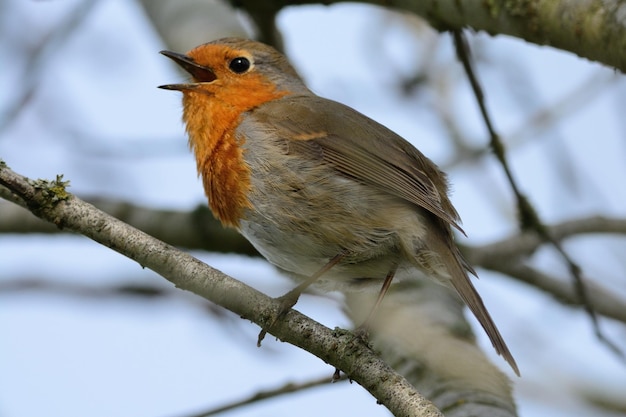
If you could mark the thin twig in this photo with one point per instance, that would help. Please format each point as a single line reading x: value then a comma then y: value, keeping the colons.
x: 50, y: 44
x: 529, y: 218
x: 288, y: 388
x: 536, y: 124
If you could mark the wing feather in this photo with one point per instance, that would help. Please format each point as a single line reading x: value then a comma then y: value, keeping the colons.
x: 360, y: 148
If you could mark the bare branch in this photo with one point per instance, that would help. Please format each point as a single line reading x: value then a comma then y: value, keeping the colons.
x: 592, y: 29
x: 603, y: 301
x: 288, y: 388
x: 524, y: 244
x: 528, y: 216
x: 508, y: 256
x: 197, y: 229
x: 127, y: 290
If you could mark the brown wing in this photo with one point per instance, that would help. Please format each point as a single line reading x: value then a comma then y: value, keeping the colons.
x: 360, y: 148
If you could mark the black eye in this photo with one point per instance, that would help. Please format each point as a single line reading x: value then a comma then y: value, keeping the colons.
x: 239, y: 65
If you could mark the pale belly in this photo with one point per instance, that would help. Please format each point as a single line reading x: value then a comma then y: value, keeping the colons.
x: 301, y: 233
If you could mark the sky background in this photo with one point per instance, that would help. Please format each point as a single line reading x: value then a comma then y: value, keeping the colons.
x: 97, y: 117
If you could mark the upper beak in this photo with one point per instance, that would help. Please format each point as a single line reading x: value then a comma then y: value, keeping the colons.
x: 199, y: 73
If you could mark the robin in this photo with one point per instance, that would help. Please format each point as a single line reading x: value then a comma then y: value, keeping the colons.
x: 324, y: 193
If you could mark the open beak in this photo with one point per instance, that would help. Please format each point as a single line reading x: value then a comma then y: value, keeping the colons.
x: 199, y: 73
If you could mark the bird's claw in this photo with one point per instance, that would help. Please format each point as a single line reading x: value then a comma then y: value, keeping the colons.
x: 286, y: 302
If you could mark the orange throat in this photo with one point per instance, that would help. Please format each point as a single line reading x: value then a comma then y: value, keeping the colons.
x: 219, y: 156
x: 211, y: 125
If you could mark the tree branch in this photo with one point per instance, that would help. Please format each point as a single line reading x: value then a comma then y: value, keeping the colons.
x: 528, y: 216
x: 527, y: 242
x: 288, y: 388
x: 603, y: 301
x: 593, y: 29
x: 196, y: 229
x: 50, y: 201
x: 508, y: 256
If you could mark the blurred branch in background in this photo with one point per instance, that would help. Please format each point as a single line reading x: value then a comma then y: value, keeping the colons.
x: 528, y: 216
x: 188, y: 23
x: 592, y: 30
x: 288, y: 388
x: 38, y: 60
x: 192, y: 230
x: 130, y: 291
x: 198, y: 230
x: 542, y: 120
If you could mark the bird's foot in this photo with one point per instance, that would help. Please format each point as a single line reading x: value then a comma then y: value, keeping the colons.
x: 362, y: 333
x: 286, y: 302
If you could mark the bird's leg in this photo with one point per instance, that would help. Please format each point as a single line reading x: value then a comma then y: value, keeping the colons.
x: 362, y: 332
x: 290, y: 299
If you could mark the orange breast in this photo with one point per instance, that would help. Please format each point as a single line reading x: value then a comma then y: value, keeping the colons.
x: 212, y: 118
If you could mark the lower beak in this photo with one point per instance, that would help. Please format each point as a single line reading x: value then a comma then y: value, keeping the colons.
x: 179, y: 87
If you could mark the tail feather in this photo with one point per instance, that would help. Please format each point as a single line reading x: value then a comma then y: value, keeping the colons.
x: 457, y: 269
x: 464, y: 287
